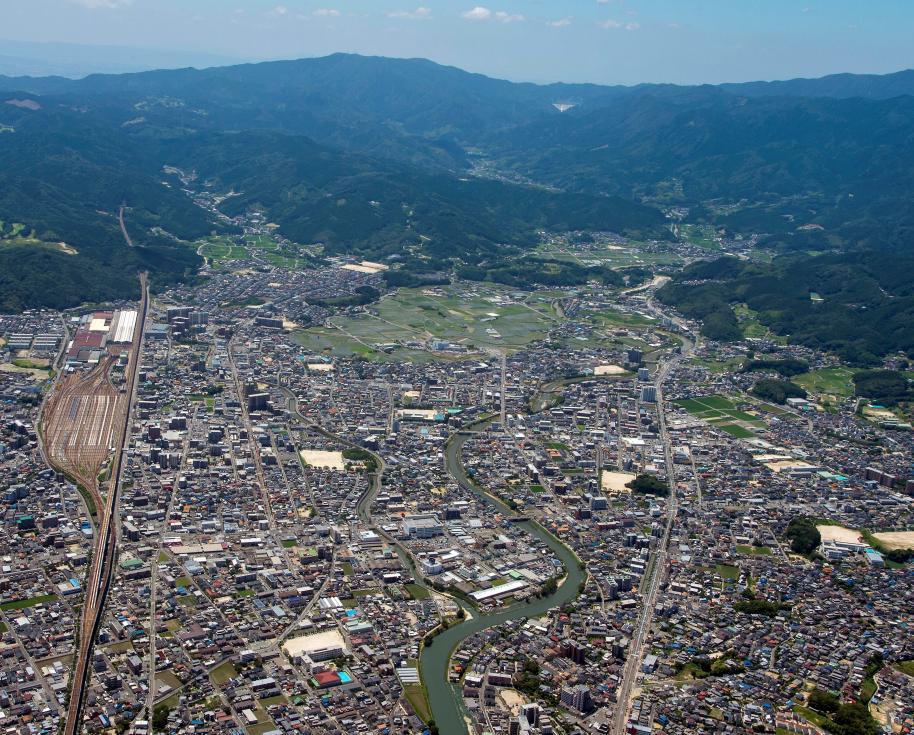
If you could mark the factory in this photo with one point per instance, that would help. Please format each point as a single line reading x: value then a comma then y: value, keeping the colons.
x: 98, y: 330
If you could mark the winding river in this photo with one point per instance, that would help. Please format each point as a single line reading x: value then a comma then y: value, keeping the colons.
x: 445, y: 698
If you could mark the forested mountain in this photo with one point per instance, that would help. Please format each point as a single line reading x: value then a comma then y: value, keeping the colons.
x: 863, y: 310
x: 870, y: 86
x: 369, y: 154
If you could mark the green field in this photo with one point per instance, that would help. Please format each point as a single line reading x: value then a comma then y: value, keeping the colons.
x: 417, y: 592
x: 415, y: 694
x: 274, y: 253
x: 615, y: 256
x: 721, y: 411
x: 736, y: 431
x: 727, y: 571
x: 30, y: 602
x: 614, y: 318
x: 753, y: 550
x: 704, y: 236
x: 835, y: 381
x: 461, y: 314
x: 17, y: 235
x: 719, y: 366
x: 219, y: 250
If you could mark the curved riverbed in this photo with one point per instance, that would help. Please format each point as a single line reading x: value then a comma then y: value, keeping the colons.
x: 445, y: 698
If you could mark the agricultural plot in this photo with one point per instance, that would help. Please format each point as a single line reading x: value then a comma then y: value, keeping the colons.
x: 723, y: 413
x: 479, y: 318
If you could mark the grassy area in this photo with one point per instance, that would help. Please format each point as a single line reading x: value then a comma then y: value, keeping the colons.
x: 833, y: 381
x: 703, y: 236
x: 223, y: 672
x: 719, y: 366
x: 29, y: 602
x: 615, y: 318
x: 219, y: 250
x: 906, y: 667
x: 418, y: 698
x: 476, y: 316
x: 417, y: 592
x: 269, y: 701
x: 722, y: 411
x: 814, y: 717
x: 727, y: 571
x: 261, y: 727
x: 739, y: 432
x: 289, y: 543
x: 753, y: 550
x: 29, y: 364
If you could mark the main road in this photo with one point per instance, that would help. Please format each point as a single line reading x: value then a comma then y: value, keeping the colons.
x: 657, y: 563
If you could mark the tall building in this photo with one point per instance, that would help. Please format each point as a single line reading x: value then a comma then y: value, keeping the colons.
x: 649, y: 393
x: 577, y: 698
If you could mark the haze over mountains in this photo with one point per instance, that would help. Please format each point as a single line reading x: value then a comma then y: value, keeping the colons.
x: 375, y: 155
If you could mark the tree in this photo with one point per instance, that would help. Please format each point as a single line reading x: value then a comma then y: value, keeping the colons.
x: 803, y: 535
x: 649, y: 485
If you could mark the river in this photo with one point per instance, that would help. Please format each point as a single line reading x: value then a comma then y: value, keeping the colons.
x: 445, y: 698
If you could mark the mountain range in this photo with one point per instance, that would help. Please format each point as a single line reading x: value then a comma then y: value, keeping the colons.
x: 372, y: 155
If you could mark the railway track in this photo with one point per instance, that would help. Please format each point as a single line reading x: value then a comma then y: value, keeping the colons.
x: 105, y: 554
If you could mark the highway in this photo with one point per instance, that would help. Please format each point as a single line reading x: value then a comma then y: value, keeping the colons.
x: 105, y: 555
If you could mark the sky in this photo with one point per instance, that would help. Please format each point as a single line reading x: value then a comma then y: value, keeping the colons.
x: 603, y: 41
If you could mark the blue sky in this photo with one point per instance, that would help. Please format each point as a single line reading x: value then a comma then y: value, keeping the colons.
x: 606, y: 41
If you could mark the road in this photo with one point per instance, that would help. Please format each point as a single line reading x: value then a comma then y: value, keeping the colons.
x: 120, y: 218
x: 656, y: 568
x: 103, y: 560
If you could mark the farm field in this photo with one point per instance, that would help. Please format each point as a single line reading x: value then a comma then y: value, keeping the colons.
x: 479, y: 317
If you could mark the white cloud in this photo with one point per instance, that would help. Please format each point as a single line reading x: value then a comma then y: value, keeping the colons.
x: 420, y: 13
x: 612, y: 24
x: 101, y: 4
x: 508, y: 17
x: 477, y: 13
x: 326, y: 13
x: 280, y: 10
x: 483, y: 13
x: 560, y: 23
